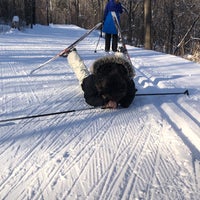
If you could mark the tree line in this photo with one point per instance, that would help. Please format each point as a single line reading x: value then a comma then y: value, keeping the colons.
x: 171, y: 26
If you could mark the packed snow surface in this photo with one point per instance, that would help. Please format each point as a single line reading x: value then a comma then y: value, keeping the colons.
x: 150, y: 150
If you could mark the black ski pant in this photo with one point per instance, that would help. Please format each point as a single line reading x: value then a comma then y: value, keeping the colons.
x: 108, y: 41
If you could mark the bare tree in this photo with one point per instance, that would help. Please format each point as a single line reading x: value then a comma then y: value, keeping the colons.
x: 188, y: 31
x: 147, y: 24
x: 160, y: 24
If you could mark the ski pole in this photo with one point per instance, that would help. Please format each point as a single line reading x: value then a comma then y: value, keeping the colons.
x: 164, y: 93
x: 97, y: 44
x: 85, y: 109
x: 46, y: 114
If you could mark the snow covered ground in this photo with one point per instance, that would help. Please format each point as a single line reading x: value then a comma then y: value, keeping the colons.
x: 148, y: 151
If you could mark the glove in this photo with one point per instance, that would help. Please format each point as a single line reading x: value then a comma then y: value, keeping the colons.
x: 67, y: 51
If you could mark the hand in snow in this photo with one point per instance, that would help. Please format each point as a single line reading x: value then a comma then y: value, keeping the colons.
x: 111, y: 104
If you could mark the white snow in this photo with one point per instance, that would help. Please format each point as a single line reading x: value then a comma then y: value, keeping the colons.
x: 15, y: 19
x: 150, y: 150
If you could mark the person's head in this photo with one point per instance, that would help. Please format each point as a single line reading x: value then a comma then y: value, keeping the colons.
x: 112, y: 87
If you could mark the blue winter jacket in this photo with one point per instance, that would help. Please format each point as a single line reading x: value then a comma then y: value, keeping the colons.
x: 109, y: 26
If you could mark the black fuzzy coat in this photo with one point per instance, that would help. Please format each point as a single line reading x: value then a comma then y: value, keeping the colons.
x: 101, y: 68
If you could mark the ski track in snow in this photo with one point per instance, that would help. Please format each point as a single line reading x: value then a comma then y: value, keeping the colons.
x: 148, y: 151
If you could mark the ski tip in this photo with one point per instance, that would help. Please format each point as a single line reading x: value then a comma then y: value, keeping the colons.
x: 32, y: 72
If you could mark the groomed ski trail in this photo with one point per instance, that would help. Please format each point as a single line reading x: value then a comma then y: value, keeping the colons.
x: 143, y: 152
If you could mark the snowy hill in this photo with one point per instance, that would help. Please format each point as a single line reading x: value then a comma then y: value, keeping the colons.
x: 148, y: 151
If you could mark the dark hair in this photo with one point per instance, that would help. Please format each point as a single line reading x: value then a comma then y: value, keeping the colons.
x: 113, y: 87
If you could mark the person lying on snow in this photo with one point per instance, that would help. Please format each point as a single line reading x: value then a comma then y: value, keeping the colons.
x: 110, y: 83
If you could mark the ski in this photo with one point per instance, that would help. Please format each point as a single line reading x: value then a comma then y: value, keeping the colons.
x: 70, y: 47
x: 116, y: 22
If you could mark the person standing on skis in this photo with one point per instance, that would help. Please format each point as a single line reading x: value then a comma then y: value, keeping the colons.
x: 110, y: 83
x: 109, y: 26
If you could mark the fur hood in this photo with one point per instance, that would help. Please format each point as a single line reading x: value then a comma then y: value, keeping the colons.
x: 118, y: 58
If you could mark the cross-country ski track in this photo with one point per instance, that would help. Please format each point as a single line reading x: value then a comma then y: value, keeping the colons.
x: 150, y: 150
